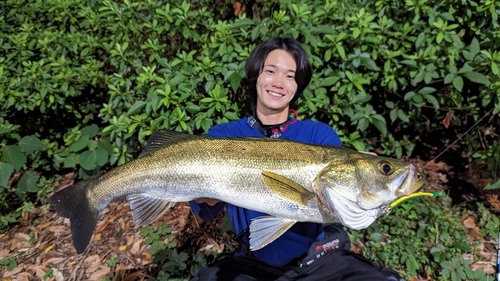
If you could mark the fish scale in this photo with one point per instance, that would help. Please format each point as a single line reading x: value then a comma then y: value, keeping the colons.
x: 288, y: 180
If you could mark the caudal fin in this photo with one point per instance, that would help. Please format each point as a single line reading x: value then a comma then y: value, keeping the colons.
x: 73, y: 203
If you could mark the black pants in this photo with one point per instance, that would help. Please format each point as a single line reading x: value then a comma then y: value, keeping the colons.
x: 327, y: 260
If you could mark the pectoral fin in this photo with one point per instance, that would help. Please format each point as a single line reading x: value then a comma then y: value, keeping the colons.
x: 266, y: 229
x: 287, y: 188
x: 146, y: 209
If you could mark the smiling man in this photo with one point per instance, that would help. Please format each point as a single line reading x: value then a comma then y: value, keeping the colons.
x: 278, y: 71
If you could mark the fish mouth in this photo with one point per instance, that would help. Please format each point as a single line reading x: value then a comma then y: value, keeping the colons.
x: 407, y: 183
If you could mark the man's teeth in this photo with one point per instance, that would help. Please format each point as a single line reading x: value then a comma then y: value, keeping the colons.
x: 275, y: 94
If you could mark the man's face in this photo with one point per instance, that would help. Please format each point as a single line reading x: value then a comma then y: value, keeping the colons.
x: 276, y: 84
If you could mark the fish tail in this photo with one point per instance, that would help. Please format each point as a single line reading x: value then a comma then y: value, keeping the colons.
x: 72, y: 202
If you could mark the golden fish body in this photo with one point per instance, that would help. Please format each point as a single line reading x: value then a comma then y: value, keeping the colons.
x: 287, y: 180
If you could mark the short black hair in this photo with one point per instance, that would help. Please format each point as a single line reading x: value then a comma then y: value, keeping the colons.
x: 256, y: 60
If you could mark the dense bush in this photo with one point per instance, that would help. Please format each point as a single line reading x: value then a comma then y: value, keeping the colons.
x: 84, y: 83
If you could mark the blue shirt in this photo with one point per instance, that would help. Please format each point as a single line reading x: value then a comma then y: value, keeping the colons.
x: 297, y: 240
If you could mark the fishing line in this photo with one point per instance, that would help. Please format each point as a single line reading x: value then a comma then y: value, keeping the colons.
x: 394, y: 204
x: 459, y: 138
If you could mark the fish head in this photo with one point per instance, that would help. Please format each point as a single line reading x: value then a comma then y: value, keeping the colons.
x: 382, y: 180
x: 361, y: 187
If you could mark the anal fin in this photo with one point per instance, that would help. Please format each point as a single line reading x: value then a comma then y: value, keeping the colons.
x: 266, y: 229
x: 146, y: 209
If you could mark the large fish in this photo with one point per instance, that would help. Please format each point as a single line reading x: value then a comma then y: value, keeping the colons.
x: 290, y: 181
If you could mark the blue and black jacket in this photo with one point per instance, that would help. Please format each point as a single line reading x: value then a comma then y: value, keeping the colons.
x: 297, y: 240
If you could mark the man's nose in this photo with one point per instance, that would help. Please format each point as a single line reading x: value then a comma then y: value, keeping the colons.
x: 278, y: 81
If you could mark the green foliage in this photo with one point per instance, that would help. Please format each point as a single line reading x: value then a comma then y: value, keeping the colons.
x: 49, y: 274
x: 84, y: 83
x: 426, y: 237
x: 112, y: 262
x: 10, y: 263
x: 174, y: 265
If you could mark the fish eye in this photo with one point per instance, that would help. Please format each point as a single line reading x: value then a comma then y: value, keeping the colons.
x: 385, y: 167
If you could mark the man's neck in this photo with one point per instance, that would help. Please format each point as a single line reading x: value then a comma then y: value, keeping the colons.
x: 272, y: 118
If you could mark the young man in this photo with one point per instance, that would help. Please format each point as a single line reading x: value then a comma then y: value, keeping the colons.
x: 278, y: 71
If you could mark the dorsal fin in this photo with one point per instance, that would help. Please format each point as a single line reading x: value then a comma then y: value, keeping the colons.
x: 160, y: 139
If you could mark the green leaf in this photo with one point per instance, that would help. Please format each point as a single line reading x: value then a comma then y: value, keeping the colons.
x: 379, y: 122
x: 477, y: 77
x: 458, y: 83
x: 30, y: 144
x: 474, y: 47
x: 465, y: 69
x: 231, y: 116
x: 449, y: 78
x: 329, y: 81
x: 432, y: 100
x: 71, y: 160
x: 102, y: 156
x: 340, y: 50
x: 420, y: 40
x: 242, y: 23
x: 88, y: 160
x: 402, y: 115
x: 80, y: 144
x: 368, y: 63
x: 138, y: 105
x: 439, y: 37
x: 393, y: 115
x: 90, y: 131
x: 235, y: 81
x: 356, y: 32
x: 28, y: 181
x: 4, y: 130
x: 13, y: 155
x: 6, y: 170
x: 426, y: 90
x: 106, y: 145
x: 491, y: 186
x: 226, y: 224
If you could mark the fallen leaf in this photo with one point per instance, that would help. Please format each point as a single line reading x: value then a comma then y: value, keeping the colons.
x: 98, y: 275
x: 48, y: 249
x: 494, y: 201
x: 55, y: 261
x: 469, y: 222
x: 488, y: 267
x: 237, y: 8
x: 447, y: 119
x: 40, y: 271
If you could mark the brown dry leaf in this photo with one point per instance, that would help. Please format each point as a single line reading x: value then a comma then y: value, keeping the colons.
x: 469, y: 221
x: 4, y: 253
x: 136, y: 247
x: 237, y: 8
x: 133, y: 276
x: 55, y: 261
x: 98, y: 275
x: 40, y: 271
x: 488, y: 267
x: 494, y: 201
x: 92, y: 259
x: 447, y: 119
x: 24, y: 276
